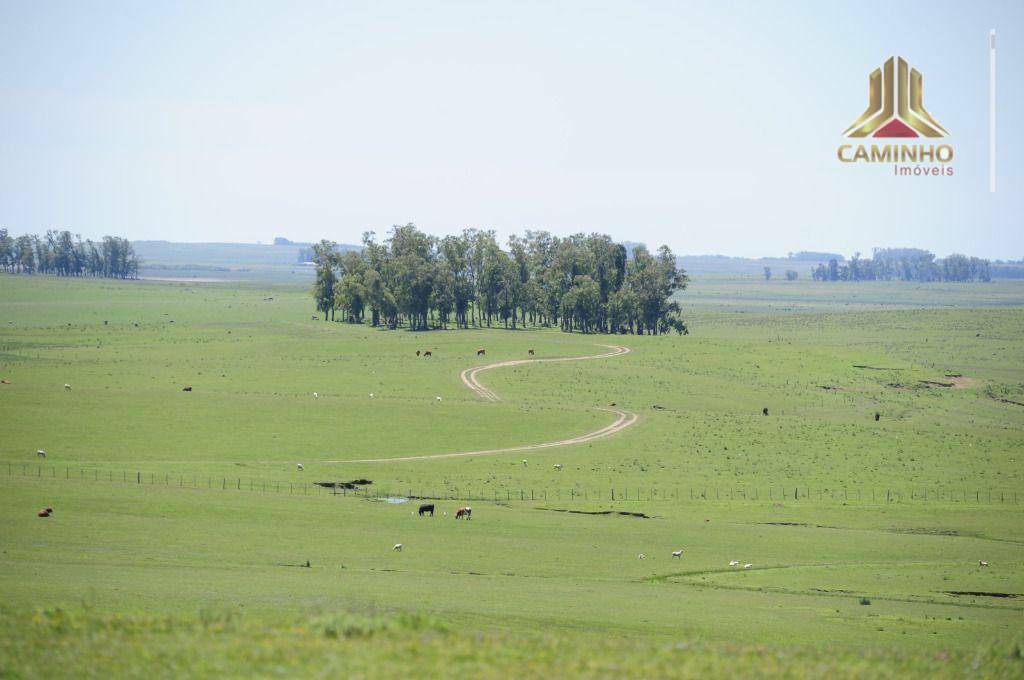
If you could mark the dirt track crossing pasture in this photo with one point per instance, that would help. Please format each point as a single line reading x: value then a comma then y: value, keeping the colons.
x: 469, y: 378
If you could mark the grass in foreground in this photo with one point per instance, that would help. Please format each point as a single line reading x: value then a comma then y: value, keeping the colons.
x: 56, y: 642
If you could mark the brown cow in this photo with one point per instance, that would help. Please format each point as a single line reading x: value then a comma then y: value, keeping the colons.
x: 480, y: 351
x: 42, y: 513
x: 466, y: 512
x: 530, y: 352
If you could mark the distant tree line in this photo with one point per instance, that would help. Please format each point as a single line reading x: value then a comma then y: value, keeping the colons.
x: 814, y: 255
x: 1008, y: 269
x: 585, y: 283
x: 904, y: 264
x: 65, y: 254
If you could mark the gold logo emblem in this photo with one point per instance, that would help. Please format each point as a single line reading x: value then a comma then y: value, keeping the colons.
x: 895, y: 106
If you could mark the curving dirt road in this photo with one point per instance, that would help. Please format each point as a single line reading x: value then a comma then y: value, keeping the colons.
x: 469, y: 376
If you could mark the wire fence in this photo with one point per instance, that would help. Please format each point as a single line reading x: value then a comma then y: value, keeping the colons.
x: 703, y: 493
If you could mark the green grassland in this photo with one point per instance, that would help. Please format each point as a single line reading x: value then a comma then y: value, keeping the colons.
x: 181, y: 519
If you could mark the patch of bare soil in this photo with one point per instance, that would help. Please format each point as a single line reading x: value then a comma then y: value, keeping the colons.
x: 980, y: 593
x: 954, y: 380
x: 600, y: 512
x: 344, y: 485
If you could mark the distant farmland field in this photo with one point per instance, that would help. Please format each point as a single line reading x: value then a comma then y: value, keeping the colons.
x: 185, y: 536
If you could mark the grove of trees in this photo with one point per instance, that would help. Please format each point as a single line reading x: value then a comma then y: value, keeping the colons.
x: 904, y: 264
x: 66, y: 254
x: 585, y: 283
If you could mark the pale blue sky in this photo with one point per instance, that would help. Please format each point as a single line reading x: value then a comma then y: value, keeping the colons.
x: 709, y: 126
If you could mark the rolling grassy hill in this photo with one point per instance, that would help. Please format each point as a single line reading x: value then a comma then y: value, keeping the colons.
x: 182, y: 525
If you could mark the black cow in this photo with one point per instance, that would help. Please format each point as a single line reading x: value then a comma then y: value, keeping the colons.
x: 425, y: 508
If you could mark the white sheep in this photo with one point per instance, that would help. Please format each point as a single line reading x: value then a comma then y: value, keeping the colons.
x: 299, y: 466
x: 733, y: 563
x: 982, y: 563
x: 677, y: 553
x: 67, y: 386
x: 316, y: 395
x: 371, y: 395
x: 439, y: 398
x: 398, y: 547
x: 41, y: 453
x: 641, y: 556
x: 748, y: 565
x: 558, y: 466
x: 524, y: 462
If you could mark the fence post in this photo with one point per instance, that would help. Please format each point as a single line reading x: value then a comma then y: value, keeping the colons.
x: 138, y: 478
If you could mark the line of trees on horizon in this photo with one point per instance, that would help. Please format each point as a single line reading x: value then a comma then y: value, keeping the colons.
x: 904, y: 264
x: 62, y: 253
x: 585, y: 283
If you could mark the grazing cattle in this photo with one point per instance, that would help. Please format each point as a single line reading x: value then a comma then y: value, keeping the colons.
x: 41, y: 453
x: 417, y: 352
x: 748, y: 565
x: 530, y: 352
x: 398, y: 547
x: 299, y: 467
x: 558, y: 466
x: 67, y: 386
x: 49, y: 510
x: 42, y: 513
x: 186, y: 388
x: 425, y: 508
x: 982, y: 563
x: 641, y: 556
x: 764, y: 411
x: 733, y: 563
x: 5, y: 381
x: 427, y: 353
x: 677, y: 553
x: 877, y: 416
x: 480, y: 351
x: 524, y: 462
x: 466, y: 512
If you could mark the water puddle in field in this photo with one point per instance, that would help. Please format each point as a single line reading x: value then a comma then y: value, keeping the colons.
x: 394, y: 499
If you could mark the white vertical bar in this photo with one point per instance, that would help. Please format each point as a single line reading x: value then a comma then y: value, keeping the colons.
x: 992, y: 111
